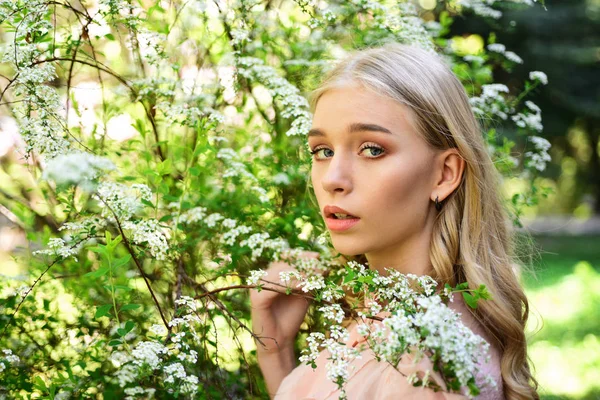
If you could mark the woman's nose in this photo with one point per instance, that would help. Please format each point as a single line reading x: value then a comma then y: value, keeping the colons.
x: 337, y: 176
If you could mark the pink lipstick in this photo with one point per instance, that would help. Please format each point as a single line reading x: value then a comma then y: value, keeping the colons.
x: 343, y: 221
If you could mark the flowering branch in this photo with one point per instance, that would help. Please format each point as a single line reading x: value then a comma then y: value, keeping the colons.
x: 137, y: 264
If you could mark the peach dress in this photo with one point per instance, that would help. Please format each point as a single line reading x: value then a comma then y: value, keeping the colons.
x: 371, y: 379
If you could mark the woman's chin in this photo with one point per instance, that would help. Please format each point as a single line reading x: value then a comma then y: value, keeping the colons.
x: 347, y: 249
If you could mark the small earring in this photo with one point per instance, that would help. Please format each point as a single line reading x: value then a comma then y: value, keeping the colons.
x: 438, y: 205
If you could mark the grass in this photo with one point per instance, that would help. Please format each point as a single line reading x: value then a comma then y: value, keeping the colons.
x: 564, y: 327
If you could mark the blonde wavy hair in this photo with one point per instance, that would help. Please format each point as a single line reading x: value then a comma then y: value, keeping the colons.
x: 473, y: 239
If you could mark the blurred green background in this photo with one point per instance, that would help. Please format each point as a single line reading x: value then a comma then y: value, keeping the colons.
x: 564, y: 328
x: 564, y: 284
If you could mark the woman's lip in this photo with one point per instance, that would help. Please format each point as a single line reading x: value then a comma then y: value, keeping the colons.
x: 340, y: 225
x: 328, y: 211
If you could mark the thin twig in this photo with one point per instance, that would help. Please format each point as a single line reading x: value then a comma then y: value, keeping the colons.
x: 137, y: 264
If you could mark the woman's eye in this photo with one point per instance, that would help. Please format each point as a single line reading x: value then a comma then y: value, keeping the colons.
x: 375, y: 151
x: 316, y: 151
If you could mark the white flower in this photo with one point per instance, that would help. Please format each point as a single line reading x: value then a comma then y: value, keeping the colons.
x: 257, y: 243
x: 123, y: 200
x: 530, y: 120
x: 193, y: 215
x: 481, y: 8
x: 77, y: 168
x: 537, y: 159
x: 513, y: 57
x: 333, y: 312
x: 539, y: 76
x: 496, y: 48
x: 59, y: 247
x: 148, y: 353
x: 212, y: 219
x: 310, y: 354
x: 230, y: 236
x: 313, y: 282
x: 188, y: 302
x: 490, y: 101
x: 293, y: 104
x: 157, y: 329
x: 151, y: 233
x: 173, y: 371
x: 10, y: 357
x: 255, y: 276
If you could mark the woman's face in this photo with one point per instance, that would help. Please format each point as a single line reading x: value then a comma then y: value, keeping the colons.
x: 383, y: 178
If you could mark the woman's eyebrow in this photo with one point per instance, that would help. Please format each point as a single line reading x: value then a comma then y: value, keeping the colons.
x: 354, y: 127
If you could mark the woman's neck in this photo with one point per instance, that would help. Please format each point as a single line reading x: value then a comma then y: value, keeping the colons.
x: 409, y: 257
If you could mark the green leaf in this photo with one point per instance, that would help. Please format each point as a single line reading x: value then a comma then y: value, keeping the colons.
x: 122, y: 287
x: 129, y: 325
x: 127, y: 307
x: 115, y: 342
x: 483, y: 293
x: 122, y: 261
x: 349, y: 277
x: 110, y: 36
x: 102, y: 311
x: 147, y: 203
x: 166, y: 217
x: 140, y: 126
x: 470, y: 300
x: 40, y: 384
x: 100, y: 249
x: 195, y: 170
x: 97, y: 273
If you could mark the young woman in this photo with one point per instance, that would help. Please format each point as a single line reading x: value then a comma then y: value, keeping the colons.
x: 396, y: 146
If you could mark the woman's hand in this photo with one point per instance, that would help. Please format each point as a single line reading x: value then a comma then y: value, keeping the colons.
x: 276, y: 317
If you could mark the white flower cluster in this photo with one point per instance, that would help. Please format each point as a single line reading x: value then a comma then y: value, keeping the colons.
x: 151, y: 233
x: 85, y: 224
x: 484, y: 7
x: 38, y: 108
x: 185, y: 115
x: 161, y: 88
x: 77, y: 168
x: 255, y: 276
x: 501, y: 49
x: 43, y: 136
x: 236, y: 168
x: 7, y: 358
x: 537, y: 159
x: 333, y: 312
x: 171, y: 360
x: 234, y: 231
x: 490, y: 102
x: 293, y: 104
x: 450, y: 337
x: 406, y: 25
x: 123, y: 200
x: 312, y: 282
x: 257, y: 243
x: 193, y: 215
x: 532, y: 119
x: 61, y: 248
x: 539, y: 76
x: 415, y: 320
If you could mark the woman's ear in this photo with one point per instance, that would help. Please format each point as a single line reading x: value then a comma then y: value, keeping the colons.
x: 449, y: 169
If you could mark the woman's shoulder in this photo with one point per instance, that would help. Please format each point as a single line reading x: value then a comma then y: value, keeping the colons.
x: 369, y: 378
x: 490, y: 368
